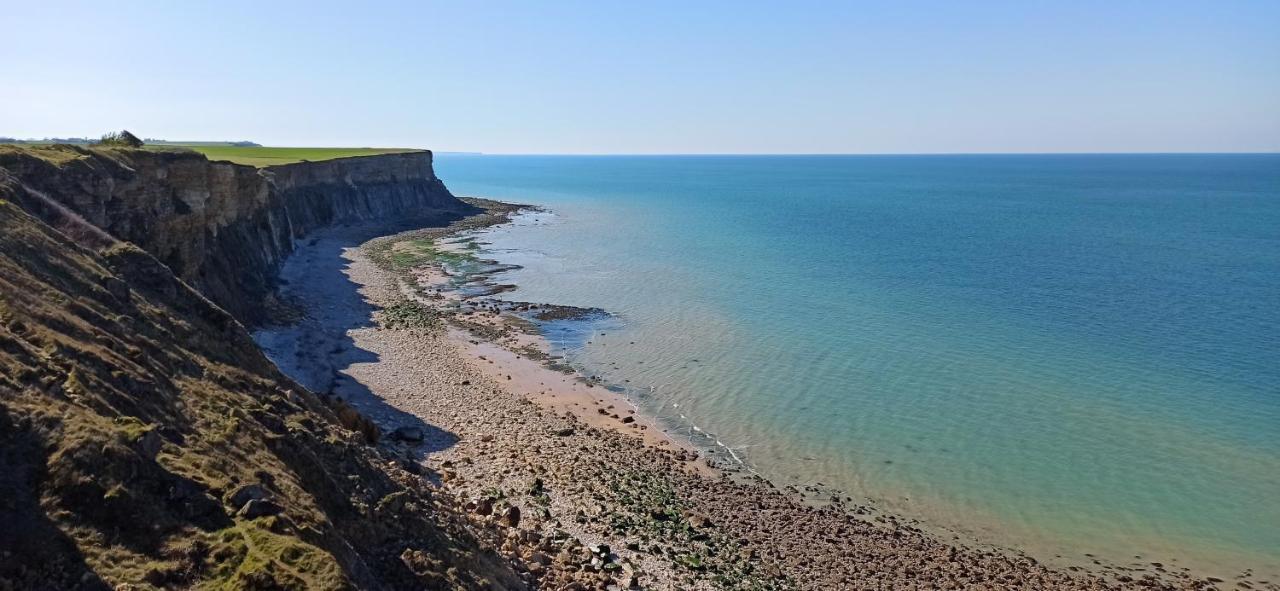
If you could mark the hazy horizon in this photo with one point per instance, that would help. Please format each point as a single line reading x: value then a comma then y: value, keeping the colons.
x: 718, y: 78
x: 607, y: 154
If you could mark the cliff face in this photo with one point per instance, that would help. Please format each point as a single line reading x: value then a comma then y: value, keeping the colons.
x: 386, y: 187
x: 145, y: 441
x: 225, y: 228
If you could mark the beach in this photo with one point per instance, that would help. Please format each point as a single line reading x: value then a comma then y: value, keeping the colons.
x: 967, y: 341
x: 573, y: 484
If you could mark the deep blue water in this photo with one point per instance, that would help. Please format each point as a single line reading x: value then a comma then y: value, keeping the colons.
x: 1069, y: 354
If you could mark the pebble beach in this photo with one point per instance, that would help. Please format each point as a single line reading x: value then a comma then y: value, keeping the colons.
x: 565, y: 478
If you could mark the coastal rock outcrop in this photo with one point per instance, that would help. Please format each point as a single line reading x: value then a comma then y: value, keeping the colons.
x: 223, y: 228
x: 145, y: 440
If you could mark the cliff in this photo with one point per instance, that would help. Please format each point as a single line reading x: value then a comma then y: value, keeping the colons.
x: 145, y: 441
x: 224, y: 228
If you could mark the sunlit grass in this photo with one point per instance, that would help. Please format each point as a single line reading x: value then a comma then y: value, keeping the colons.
x: 265, y: 156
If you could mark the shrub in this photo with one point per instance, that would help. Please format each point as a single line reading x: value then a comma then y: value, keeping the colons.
x: 121, y: 139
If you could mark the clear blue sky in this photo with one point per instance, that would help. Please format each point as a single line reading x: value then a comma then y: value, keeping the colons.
x: 653, y: 77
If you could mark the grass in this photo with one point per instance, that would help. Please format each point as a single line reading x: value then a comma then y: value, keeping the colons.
x: 264, y: 156
x: 403, y: 255
x: 251, y: 155
x: 46, y: 152
x: 131, y: 429
x: 249, y: 554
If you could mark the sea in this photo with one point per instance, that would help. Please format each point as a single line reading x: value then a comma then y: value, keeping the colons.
x: 1076, y: 356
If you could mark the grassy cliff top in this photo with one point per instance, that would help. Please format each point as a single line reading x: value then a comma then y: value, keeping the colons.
x: 249, y: 155
x: 265, y: 156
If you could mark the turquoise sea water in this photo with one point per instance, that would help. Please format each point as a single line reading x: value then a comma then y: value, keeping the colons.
x: 1068, y: 354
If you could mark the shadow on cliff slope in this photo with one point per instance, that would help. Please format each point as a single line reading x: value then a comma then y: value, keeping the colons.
x: 146, y: 441
x: 224, y: 228
x: 318, y: 351
x: 32, y: 540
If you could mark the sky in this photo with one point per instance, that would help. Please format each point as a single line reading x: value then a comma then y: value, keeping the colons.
x: 606, y: 77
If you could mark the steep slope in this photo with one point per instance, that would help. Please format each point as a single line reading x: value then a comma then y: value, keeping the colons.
x: 225, y: 228
x: 145, y: 440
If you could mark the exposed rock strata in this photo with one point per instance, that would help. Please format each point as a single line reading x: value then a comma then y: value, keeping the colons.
x: 224, y: 228
x: 145, y: 441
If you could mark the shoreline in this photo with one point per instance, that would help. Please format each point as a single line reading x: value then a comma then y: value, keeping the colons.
x: 699, y: 523
x: 967, y: 525
x: 609, y: 396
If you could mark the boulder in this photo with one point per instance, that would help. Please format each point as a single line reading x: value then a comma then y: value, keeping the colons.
x: 408, y: 434
x: 259, y: 508
x: 249, y: 492
x: 480, y: 506
x: 150, y: 443
x: 511, y: 516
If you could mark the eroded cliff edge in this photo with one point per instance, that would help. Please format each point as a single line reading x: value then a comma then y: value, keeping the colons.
x: 224, y: 228
x: 145, y: 441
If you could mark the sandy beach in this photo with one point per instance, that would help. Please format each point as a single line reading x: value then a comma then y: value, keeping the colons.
x: 576, y: 488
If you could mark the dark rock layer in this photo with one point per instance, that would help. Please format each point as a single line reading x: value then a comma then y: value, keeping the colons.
x: 225, y: 228
x: 145, y: 440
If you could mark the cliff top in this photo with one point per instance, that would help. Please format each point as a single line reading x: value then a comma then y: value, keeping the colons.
x: 259, y: 156
x: 267, y: 156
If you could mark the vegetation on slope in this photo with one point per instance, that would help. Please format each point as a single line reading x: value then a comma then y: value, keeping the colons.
x: 145, y: 441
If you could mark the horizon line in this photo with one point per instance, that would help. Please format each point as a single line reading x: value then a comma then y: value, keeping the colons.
x: 179, y: 143
x: 1080, y: 153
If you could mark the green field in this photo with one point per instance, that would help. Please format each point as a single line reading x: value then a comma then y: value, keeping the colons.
x: 265, y: 156
x: 252, y: 155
